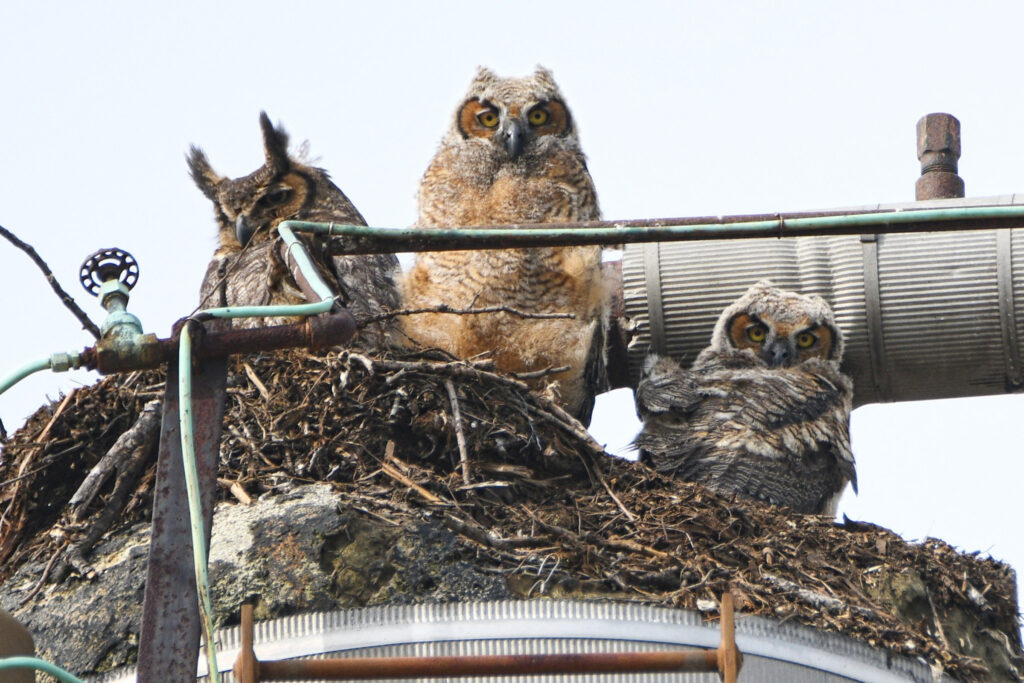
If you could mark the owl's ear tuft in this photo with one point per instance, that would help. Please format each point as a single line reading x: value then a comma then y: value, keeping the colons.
x: 483, y: 78
x: 275, y: 144
x: 202, y: 174
x: 543, y: 75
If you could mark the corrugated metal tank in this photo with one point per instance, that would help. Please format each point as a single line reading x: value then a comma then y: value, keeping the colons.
x: 926, y: 315
x: 771, y: 651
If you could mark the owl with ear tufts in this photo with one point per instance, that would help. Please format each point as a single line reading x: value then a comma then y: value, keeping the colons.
x: 247, y: 268
x: 764, y: 413
x: 512, y: 156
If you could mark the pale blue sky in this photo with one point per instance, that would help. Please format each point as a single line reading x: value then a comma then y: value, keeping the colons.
x: 683, y: 109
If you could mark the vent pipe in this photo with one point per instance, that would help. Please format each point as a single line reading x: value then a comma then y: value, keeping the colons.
x: 926, y: 315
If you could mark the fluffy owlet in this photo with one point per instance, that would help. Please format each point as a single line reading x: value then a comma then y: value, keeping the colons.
x: 512, y: 155
x: 247, y: 268
x: 764, y: 412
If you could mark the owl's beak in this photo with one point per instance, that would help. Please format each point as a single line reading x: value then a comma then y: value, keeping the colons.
x: 515, y: 138
x: 243, y: 230
x: 778, y: 354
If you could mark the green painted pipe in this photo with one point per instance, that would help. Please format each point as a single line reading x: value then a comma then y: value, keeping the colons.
x: 39, y: 665
x: 195, y: 507
x: 266, y: 311
x: 298, y: 252
x: 664, y: 230
x: 23, y: 372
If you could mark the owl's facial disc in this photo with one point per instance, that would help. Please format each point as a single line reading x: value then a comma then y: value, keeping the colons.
x: 780, y: 343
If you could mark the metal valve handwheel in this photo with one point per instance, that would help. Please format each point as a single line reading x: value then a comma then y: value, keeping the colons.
x: 108, y: 264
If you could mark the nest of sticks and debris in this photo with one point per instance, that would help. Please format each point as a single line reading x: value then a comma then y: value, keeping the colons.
x: 414, y: 437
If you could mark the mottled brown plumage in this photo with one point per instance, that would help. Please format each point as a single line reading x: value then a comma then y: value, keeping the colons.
x: 764, y: 412
x: 247, y: 268
x: 512, y: 156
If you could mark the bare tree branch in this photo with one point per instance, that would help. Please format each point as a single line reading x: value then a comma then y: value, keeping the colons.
x: 65, y: 298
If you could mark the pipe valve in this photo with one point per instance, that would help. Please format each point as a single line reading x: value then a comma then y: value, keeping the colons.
x: 111, y: 274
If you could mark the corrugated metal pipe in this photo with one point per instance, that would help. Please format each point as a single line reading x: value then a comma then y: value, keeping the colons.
x: 926, y: 315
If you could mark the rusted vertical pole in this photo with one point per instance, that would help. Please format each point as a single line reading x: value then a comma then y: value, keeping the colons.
x: 729, y: 658
x: 247, y: 667
x: 169, y: 638
x: 938, y: 150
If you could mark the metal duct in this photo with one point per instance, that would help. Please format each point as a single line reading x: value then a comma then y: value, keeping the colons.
x: 771, y: 651
x: 926, y: 315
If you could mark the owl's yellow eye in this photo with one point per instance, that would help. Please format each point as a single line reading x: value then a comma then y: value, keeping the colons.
x: 805, y: 340
x: 538, y: 117
x: 756, y: 333
x: 488, y: 118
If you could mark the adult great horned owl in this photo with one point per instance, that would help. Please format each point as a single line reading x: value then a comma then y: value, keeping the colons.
x: 512, y: 155
x: 247, y: 268
x: 764, y: 412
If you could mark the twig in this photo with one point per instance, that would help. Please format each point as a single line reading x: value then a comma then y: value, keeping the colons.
x: 445, y: 308
x: 938, y: 622
x: 486, y: 537
x: 537, y: 374
x: 387, y: 469
x: 816, y: 599
x: 256, y: 381
x: 237, y: 490
x: 460, y: 438
x: 596, y: 539
x: 142, y: 434
x: 600, y: 477
x: 65, y: 298
x: 42, y: 579
x: 547, y: 409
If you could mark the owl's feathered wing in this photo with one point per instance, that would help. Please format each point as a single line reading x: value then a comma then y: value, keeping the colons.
x: 776, y: 435
x: 366, y: 285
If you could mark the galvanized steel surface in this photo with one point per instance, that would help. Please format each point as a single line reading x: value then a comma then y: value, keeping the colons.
x: 948, y: 320
x: 772, y: 651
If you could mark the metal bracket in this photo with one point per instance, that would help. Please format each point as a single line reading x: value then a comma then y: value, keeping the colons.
x: 655, y: 305
x: 873, y: 310
x: 1007, y: 318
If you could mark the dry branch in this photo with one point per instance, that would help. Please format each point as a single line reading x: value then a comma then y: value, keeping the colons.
x: 64, y: 297
x: 142, y: 435
x: 459, y: 436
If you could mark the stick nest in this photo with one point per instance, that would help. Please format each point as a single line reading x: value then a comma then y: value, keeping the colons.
x: 543, y: 505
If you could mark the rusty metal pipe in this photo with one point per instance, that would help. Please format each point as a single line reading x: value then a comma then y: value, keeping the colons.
x: 726, y: 659
x: 370, y: 668
x: 314, y: 333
